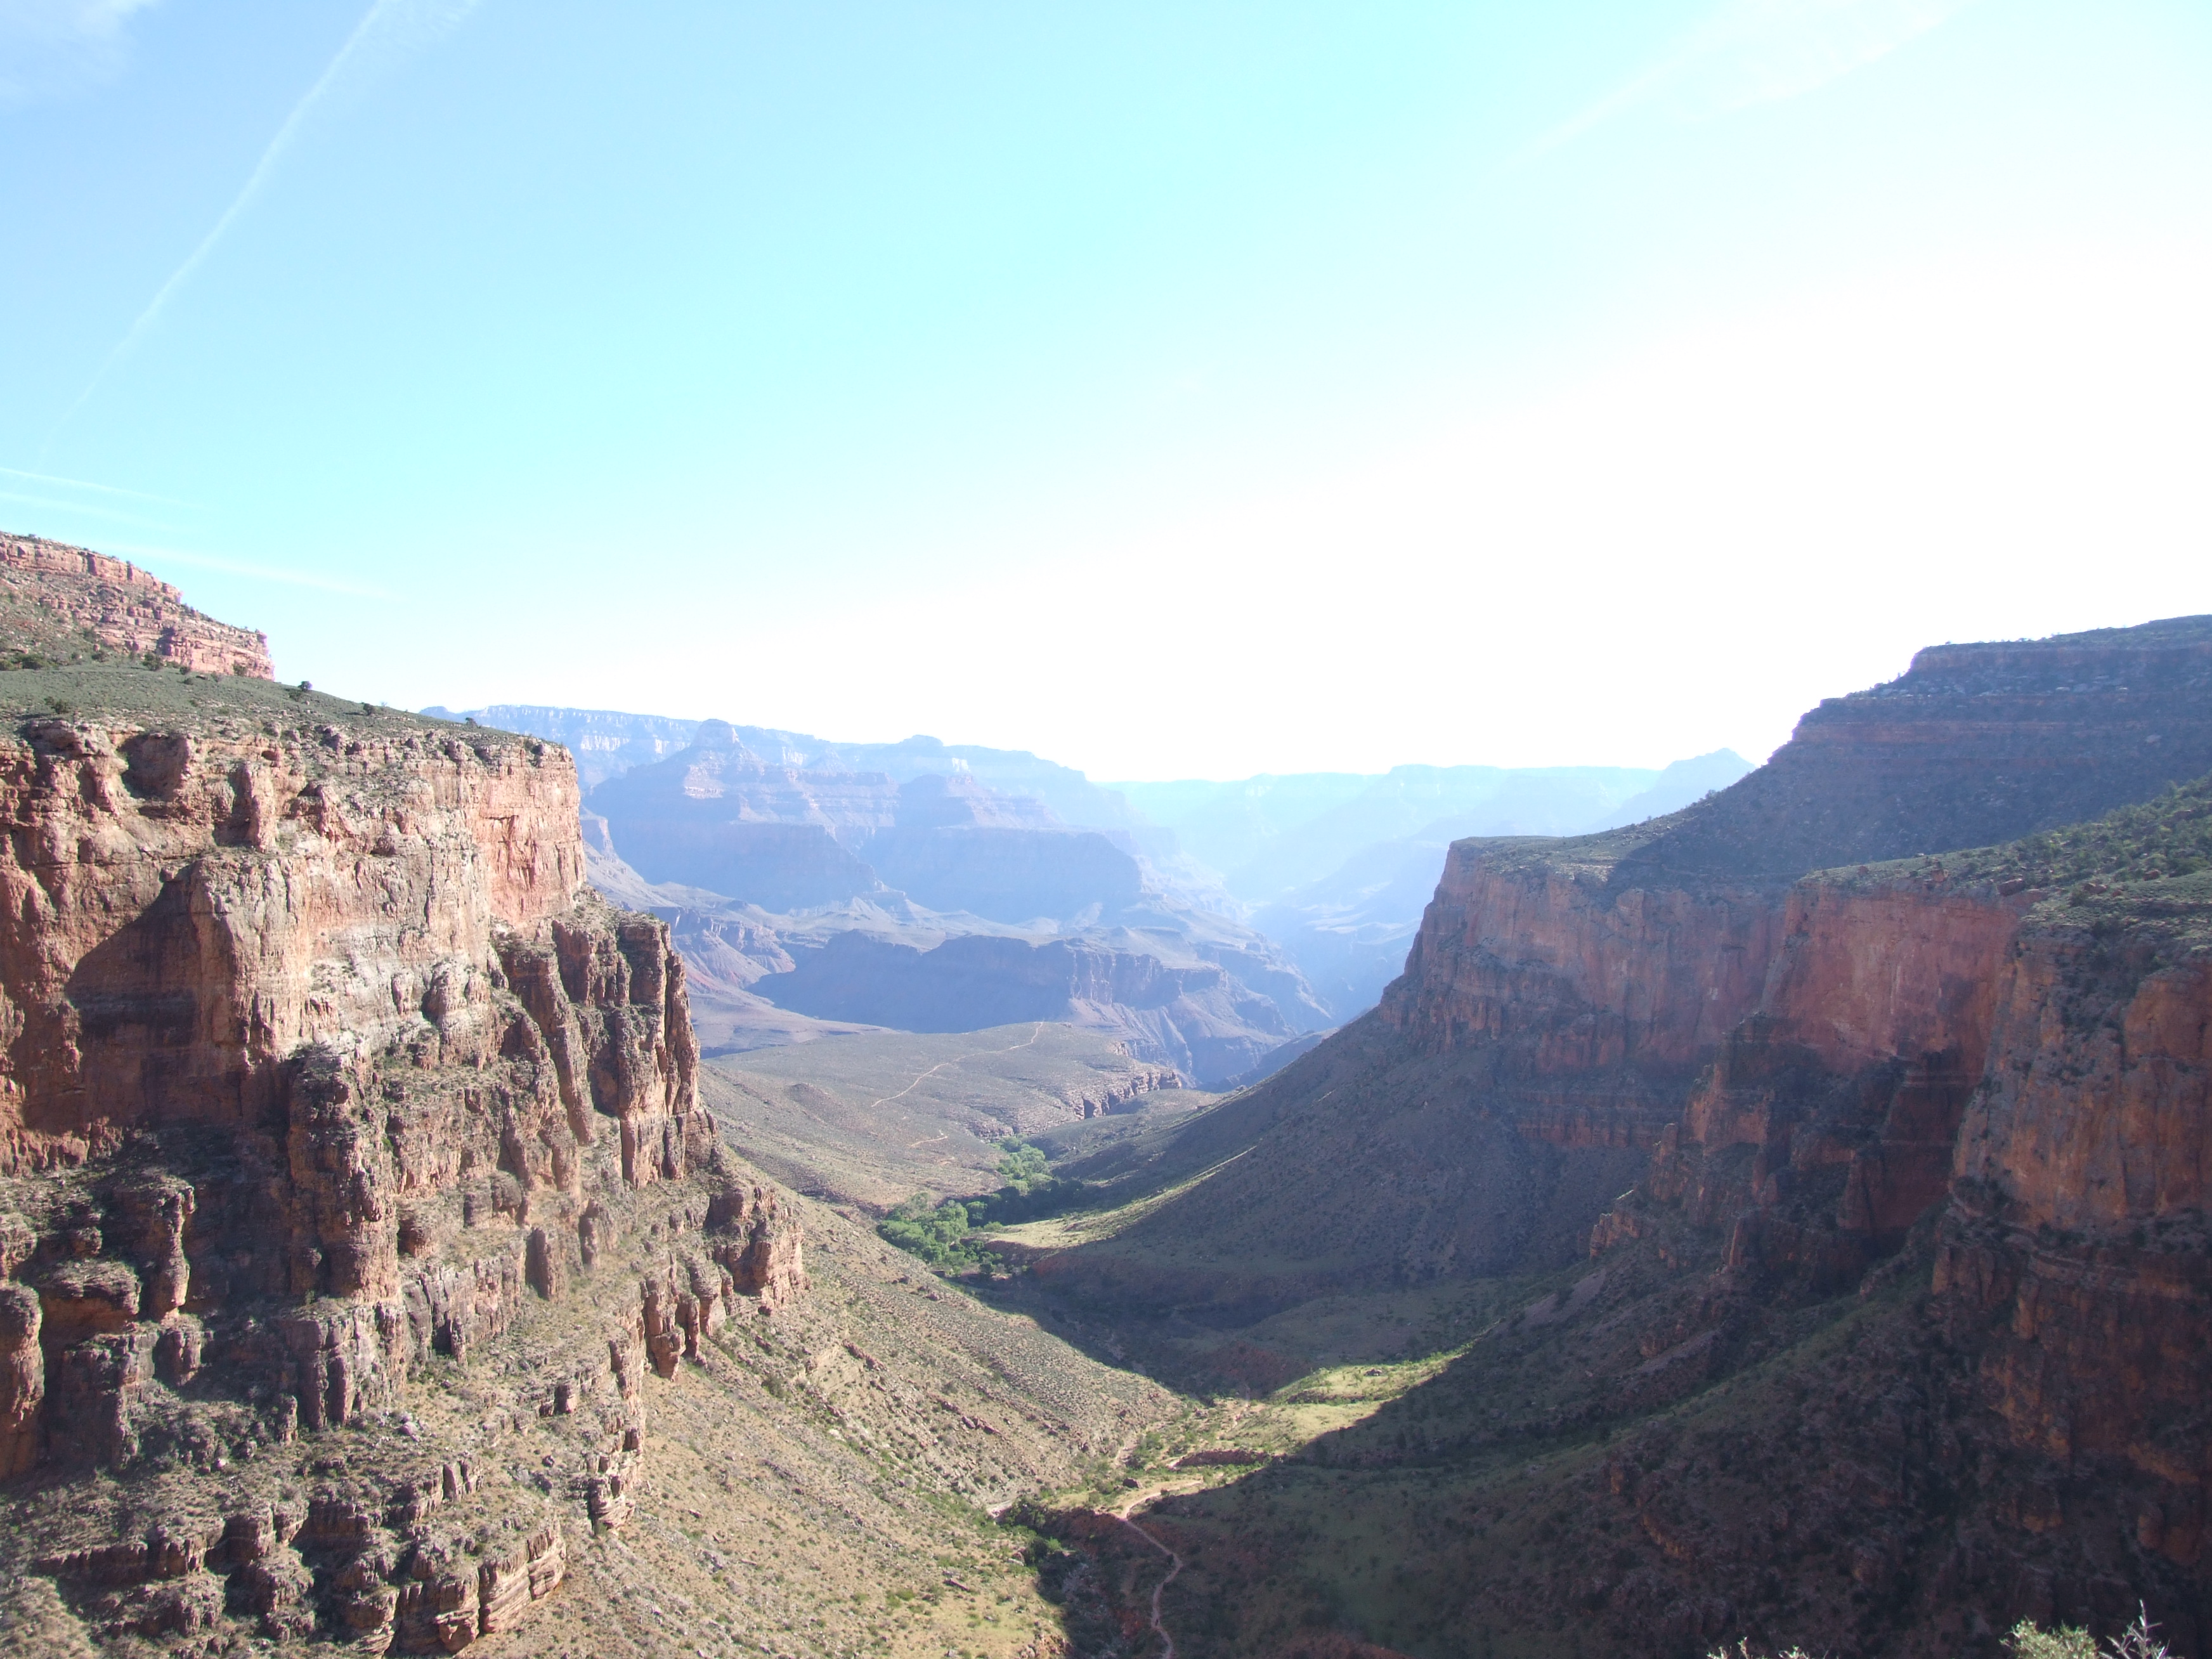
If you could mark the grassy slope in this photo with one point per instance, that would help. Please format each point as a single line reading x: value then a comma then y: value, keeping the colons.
x: 159, y: 696
x: 813, y: 1486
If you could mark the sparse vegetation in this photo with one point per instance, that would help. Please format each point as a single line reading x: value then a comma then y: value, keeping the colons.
x: 2138, y: 1641
x: 872, y: 1118
x: 2157, y: 840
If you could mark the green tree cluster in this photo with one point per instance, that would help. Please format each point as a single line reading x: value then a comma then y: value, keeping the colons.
x: 938, y: 1233
x: 1022, y: 1166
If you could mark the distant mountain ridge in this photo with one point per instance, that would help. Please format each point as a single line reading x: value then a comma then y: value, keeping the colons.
x: 1269, y: 834
x: 607, y: 744
x: 1334, y: 867
x: 1339, y: 876
x: 934, y: 903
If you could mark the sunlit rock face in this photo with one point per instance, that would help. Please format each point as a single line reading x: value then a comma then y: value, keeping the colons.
x: 323, y: 1069
x: 56, y: 600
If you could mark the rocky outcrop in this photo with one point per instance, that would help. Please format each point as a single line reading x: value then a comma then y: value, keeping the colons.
x: 2074, y: 1252
x: 55, y: 600
x: 320, y: 1069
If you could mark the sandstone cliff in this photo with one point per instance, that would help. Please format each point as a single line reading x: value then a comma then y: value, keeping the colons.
x: 1825, y: 1052
x: 321, y: 1068
x: 57, y: 602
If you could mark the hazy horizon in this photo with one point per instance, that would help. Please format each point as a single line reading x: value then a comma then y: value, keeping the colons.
x: 1180, y: 393
x: 847, y: 739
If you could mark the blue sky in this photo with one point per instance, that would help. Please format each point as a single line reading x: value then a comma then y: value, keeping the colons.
x: 1172, y: 389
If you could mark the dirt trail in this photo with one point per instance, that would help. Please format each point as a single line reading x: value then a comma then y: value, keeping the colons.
x: 920, y: 1078
x: 1174, y: 1566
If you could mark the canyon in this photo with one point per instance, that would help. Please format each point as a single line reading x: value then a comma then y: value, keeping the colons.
x: 1780, y: 1220
x: 361, y: 1198
x: 761, y: 847
x: 1845, y: 1129
x: 932, y: 904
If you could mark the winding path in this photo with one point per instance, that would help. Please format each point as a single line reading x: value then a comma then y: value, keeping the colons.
x: 1174, y: 1566
x: 920, y: 1078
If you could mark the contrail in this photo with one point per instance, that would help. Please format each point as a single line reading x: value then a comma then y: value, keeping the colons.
x: 258, y: 571
x: 81, y: 483
x: 1757, y: 51
x: 267, y: 165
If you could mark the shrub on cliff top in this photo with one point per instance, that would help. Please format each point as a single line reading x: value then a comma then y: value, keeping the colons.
x: 2168, y: 835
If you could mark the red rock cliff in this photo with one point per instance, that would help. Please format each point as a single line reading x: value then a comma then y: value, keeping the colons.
x: 1939, y: 1047
x: 53, y: 596
x: 318, y: 1064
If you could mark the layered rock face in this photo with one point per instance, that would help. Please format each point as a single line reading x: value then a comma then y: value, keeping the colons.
x: 1192, y: 1016
x: 2073, y: 1254
x: 1614, y: 968
x: 935, y: 904
x: 57, y: 598
x: 1974, y: 743
x: 1946, y: 1055
x: 323, y: 1068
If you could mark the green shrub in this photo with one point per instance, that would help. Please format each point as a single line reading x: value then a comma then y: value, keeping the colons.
x: 2026, y: 1642
x: 938, y: 1233
x: 1022, y: 1166
x: 2138, y: 1641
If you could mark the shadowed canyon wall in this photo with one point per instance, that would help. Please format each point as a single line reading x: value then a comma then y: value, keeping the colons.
x: 1879, y: 1020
